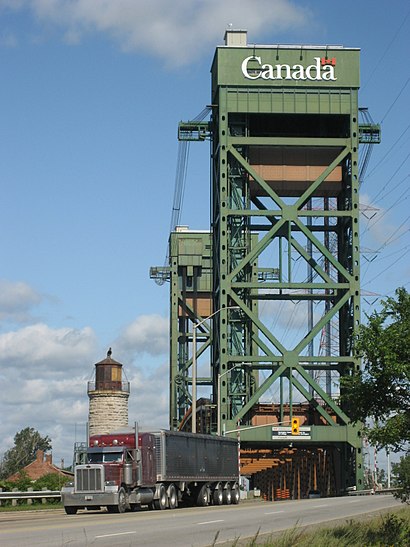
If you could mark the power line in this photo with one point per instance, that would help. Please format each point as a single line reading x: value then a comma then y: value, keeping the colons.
x: 179, y: 187
x: 399, y: 199
x: 400, y: 236
x: 387, y: 153
x: 401, y: 285
x: 394, y: 187
x: 388, y: 268
x: 393, y: 234
x: 405, y: 248
x: 387, y: 48
x: 396, y: 99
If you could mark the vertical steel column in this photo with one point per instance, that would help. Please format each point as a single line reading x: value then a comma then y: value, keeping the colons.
x: 175, y: 340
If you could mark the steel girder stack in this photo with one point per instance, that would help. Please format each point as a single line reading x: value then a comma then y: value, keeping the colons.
x: 190, y: 274
x: 285, y: 210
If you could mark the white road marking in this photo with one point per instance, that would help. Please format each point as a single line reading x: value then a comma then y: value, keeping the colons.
x: 274, y: 512
x: 322, y: 505
x: 209, y: 522
x: 112, y: 535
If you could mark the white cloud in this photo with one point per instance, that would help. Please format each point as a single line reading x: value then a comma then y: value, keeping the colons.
x: 177, y: 32
x: 288, y: 320
x: 376, y: 225
x: 37, y: 391
x: 44, y: 373
x: 147, y: 334
x: 148, y: 402
x: 285, y: 314
x: 38, y: 348
x: 16, y: 299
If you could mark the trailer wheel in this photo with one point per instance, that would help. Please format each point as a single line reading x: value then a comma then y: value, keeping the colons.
x: 161, y: 502
x: 172, y: 497
x: 228, y: 495
x: 218, y: 495
x: 203, y: 496
x: 70, y: 510
x: 236, y: 496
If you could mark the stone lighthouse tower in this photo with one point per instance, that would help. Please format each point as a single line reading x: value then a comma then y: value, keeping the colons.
x: 108, y: 394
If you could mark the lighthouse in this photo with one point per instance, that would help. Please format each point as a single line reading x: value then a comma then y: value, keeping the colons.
x: 108, y: 395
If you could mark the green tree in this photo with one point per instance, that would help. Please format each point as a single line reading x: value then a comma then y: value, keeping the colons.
x: 401, y: 478
x: 52, y: 481
x: 22, y: 483
x: 26, y: 443
x: 380, y: 392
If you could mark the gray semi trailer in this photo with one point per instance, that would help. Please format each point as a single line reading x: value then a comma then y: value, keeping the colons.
x: 160, y: 469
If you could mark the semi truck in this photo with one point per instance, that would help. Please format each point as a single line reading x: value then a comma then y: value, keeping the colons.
x: 162, y: 469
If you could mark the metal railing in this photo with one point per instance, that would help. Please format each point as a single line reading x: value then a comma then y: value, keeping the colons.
x: 108, y: 386
x: 371, y: 491
x: 15, y: 496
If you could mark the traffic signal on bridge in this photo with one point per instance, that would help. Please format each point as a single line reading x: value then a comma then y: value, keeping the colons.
x: 295, y: 426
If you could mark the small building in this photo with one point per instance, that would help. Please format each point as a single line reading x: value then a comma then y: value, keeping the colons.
x: 42, y: 465
x: 108, y: 395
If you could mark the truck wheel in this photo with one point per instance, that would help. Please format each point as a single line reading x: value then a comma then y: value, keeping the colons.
x: 70, y: 510
x: 172, y: 497
x: 122, y: 503
x: 218, y: 495
x: 228, y: 495
x: 161, y: 502
x: 236, y: 496
x: 203, y: 496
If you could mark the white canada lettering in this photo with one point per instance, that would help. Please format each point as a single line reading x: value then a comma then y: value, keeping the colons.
x: 245, y: 68
x: 315, y: 68
x: 267, y: 72
x: 328, y: 73
x: 298, y: 72
x: 253, y: 69
x: 279, y: 72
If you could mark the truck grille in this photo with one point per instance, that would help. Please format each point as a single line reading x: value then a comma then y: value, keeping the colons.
x: 89, y: 479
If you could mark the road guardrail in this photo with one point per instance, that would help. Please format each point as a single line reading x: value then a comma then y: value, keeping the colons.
x: 29, y: 496
x: 371, y: 492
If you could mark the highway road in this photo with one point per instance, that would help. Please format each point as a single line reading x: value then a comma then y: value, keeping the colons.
x: 195, y: 526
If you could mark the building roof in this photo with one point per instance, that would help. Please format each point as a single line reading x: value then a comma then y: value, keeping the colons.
x: 42, y: 465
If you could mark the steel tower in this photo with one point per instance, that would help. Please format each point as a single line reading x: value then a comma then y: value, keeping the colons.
x: 284, y: 259
x: 285, y: 167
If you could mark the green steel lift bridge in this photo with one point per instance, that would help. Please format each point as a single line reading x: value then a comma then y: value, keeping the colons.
x: 264, y: 306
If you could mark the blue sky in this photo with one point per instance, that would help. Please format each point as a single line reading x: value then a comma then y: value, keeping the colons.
x: 90, y: 97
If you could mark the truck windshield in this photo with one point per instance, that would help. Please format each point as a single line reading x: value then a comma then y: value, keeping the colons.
x: 104, y: 457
